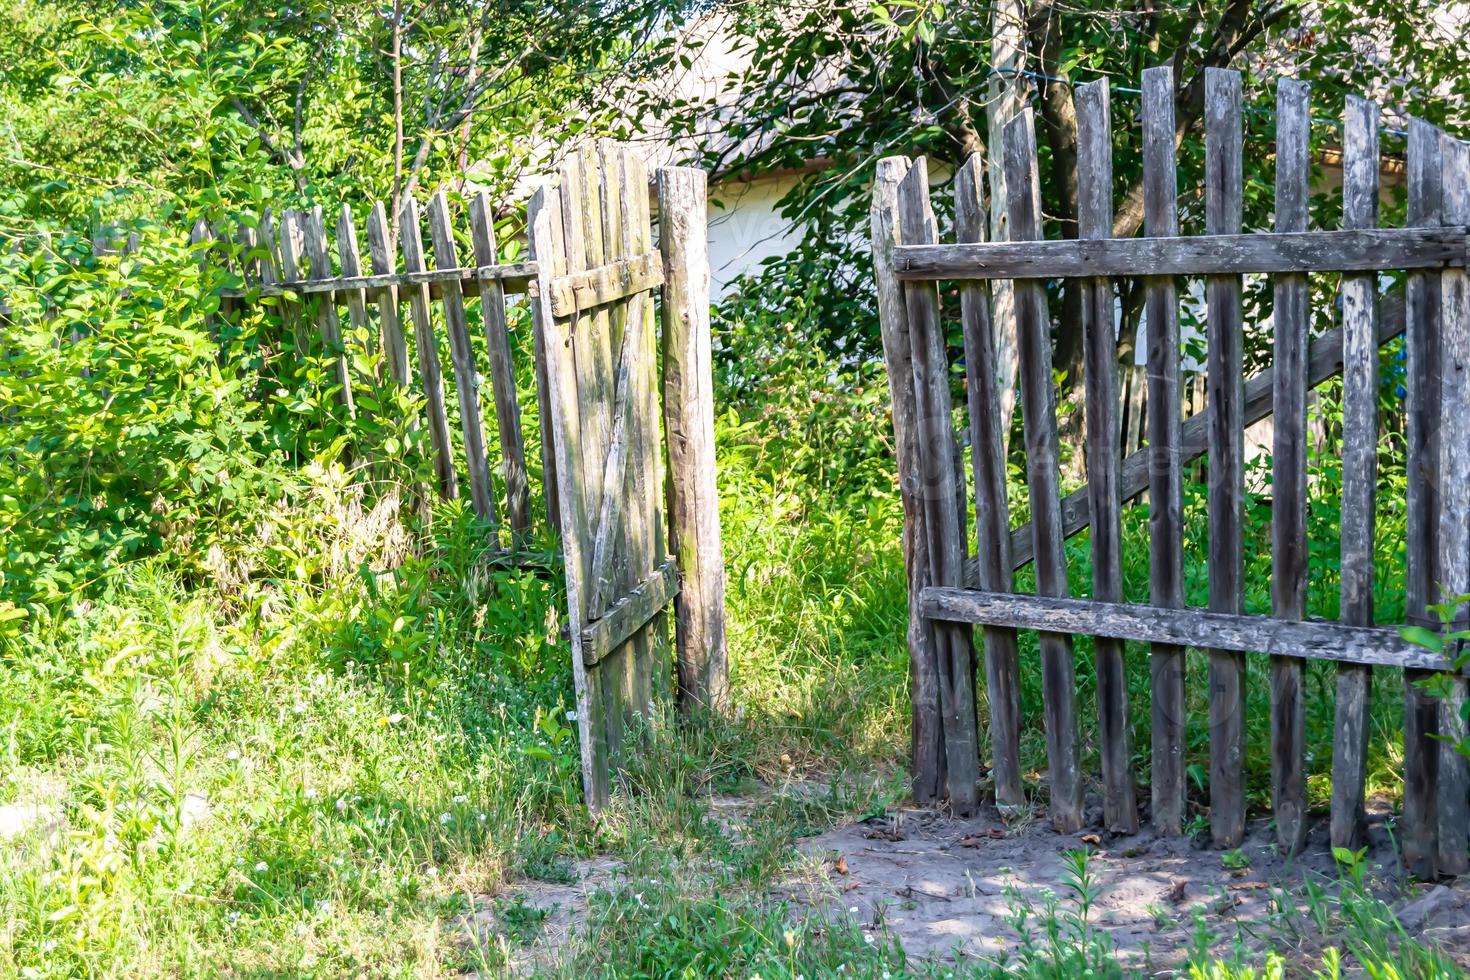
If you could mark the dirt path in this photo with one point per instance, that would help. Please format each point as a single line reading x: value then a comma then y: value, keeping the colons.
x: 950, y: 889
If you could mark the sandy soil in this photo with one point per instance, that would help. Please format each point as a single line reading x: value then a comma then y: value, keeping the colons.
x: 949, y: 889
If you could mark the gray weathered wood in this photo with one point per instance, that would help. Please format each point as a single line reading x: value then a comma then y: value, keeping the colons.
x: 927, y: 754
x: 1100, y: 357
x: 1359, y: 474
x: 380, y: 249
x: 1059, y: 683
x: 689, y: 426
x: 1313, y: 639
x: 431, y: 375
x: 328, y: 325
x: 647, y: 536
x: 1289, y: 468
x: 351, y: 264
x: 502, y: 372
x: 1226, y: 499
x: 292, y: 246
x: 595, y: 338
x: 954, y: 643
x: 547, y: 244
x: 1323, y: 362
x: 511, y: 277
x: 628, y: 614
x: 1453, y: 805
x: 1421, y: 574
x: 992, y: 521
x: 606, y: 284
x: 1162, y: 459
x: 462, y: 358
x: 1234, y: 253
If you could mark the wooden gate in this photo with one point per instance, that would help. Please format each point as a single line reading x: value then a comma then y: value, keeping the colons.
x: 950, y: 590
x: 598, y: 275
x: 593, y: 279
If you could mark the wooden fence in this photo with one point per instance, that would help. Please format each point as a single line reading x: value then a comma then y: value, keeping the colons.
x: 950, y: 590
x: 604, y: 406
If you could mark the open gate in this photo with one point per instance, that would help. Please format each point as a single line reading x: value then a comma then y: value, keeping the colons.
x: 597, y: 276
x: 607, y: 411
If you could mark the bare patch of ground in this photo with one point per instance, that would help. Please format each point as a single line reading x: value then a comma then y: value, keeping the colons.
x: 533, y: 922
x: 949, y: 889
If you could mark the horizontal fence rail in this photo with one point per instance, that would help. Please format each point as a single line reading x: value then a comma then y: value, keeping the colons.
x: 515, y: 277
x: 1382, y: 249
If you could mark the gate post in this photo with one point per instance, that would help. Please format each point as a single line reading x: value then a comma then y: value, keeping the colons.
x: 689, y: 427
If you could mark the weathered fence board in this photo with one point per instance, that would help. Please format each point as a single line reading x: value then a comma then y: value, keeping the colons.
x: 380, y: 249
x: 992, y: 520
x: 1421, y: 573
x: 1226, y: 497
x: 502, y: 372
x: 943, y: 523
x: 1163, y: 459
x: 1359, y: 474
x: 462, y: 359
x: 1233, y: 632
x: 431, y: 374
x: 1100, y: 345
x: 1228, y: 253
x: 926, y: 731
x: 1038, y: 412
x: 1453, y: 805
x: 689, y: 426
x: 1289, y: 468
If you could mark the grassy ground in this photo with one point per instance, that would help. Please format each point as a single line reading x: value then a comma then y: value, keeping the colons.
x: 298, y: 741
x: 320, y: 775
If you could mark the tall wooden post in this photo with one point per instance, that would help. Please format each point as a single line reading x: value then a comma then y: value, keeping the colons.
x: 689, y: 426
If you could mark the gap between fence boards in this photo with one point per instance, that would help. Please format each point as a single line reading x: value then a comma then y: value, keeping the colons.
x: 1324, y: 361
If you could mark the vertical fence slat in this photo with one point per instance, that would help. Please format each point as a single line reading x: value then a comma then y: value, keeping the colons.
x: 1100, y: 373
x: 1421, y: 577
x: 1289, y: 468
x: 646, y: 534
x: 431, y: 375
x: 1359, y: 473
x: 462, y: 358
x: 1453, y: 805
x: 502, y: 372
x: 328, y: 325
x: 591, y: 347
x: 1165, y: 505
x: 992, y: 518
x: 953, y: 641
x: 1226, y: 396
x: 351, y: 264
x: 290, y: 245
x: 613, y: 569
x: 688, y: 404
x: 380, y: 251
x: 549, y: 250
x: 926, y: 728
x: 1059, y: 686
